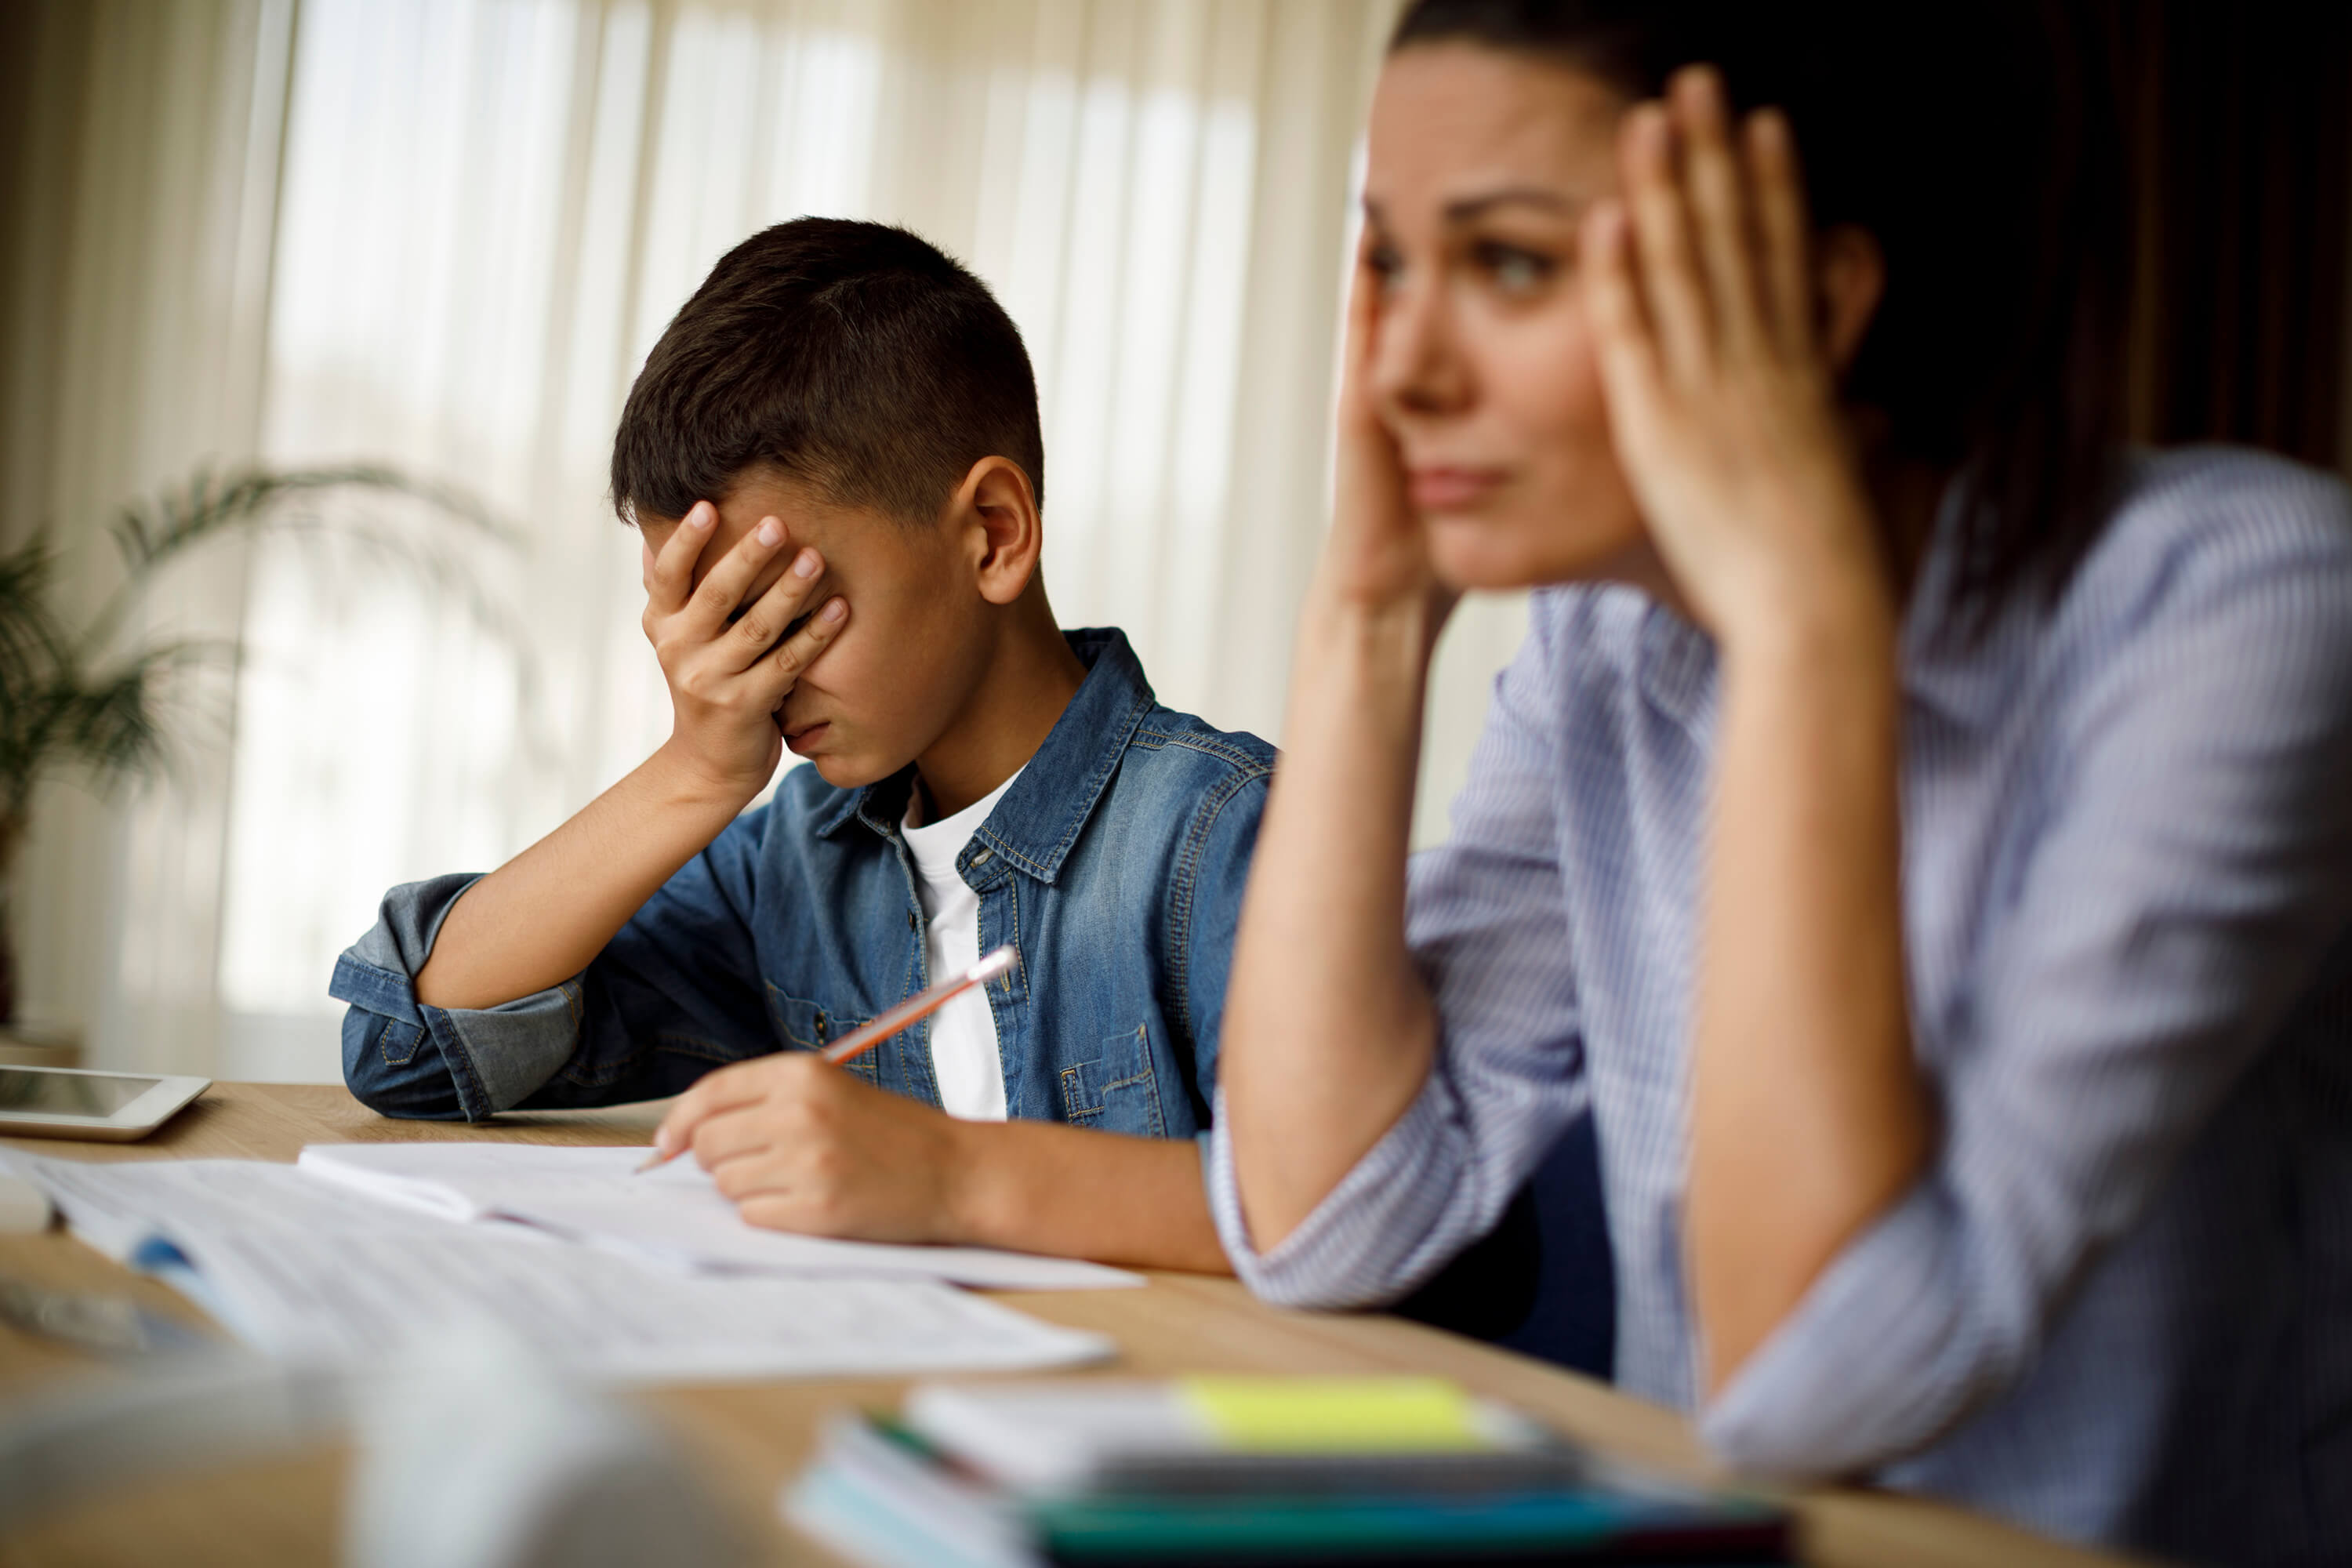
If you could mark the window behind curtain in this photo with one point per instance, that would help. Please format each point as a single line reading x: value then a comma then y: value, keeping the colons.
x: 490, y: 210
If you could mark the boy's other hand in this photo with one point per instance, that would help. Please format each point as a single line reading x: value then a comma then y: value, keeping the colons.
x: 802, y: 1145
x: 728, y: 673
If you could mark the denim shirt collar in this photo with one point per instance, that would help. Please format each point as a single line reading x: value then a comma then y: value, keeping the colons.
x: 1040, y: 818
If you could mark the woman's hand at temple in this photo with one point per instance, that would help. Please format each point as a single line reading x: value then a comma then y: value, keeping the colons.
x: 1718, y: 341
x: 1377, y: 557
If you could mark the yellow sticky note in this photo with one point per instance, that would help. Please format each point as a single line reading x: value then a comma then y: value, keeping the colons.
x: 1335, y: 1415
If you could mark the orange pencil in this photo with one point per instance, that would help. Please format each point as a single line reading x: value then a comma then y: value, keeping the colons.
x: 905, y: 1015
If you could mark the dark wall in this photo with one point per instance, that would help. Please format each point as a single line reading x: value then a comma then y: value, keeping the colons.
x: 2236, y: 116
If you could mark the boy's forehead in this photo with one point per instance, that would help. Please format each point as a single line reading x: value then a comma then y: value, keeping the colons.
x: 808, y: 516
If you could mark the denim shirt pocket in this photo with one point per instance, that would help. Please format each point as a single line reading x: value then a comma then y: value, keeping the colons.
x: 1118, y: 1091
x: 806, y: 1027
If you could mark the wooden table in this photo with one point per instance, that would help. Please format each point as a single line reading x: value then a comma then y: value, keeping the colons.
x: 753, y: 1436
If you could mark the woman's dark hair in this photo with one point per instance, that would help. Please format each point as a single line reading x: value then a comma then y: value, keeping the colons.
x: 1978, y: 144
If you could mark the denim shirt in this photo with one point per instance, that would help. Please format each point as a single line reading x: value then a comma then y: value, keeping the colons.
x: 1115, y: 864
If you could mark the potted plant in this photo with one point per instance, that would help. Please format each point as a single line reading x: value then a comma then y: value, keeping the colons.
x: 96, y: 698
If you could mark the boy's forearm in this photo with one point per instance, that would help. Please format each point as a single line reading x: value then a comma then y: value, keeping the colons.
x: 540, y: 918
x: 1038, y: 1186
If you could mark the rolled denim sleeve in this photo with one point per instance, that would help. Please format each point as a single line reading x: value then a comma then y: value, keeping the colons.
x: 2190, y: 881
x: 674, y: 993
x: 404, y: 1058
x: 1486, y: 923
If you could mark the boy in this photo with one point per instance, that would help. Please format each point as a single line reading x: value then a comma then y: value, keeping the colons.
x: 833, y: 457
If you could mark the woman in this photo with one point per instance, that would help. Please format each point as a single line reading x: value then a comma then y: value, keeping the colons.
x: 1915, y: 828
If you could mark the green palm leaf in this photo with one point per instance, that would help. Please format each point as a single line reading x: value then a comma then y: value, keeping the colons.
x: 72, y: 698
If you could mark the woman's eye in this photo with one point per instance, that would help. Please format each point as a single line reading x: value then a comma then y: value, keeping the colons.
x: 1385, y: 263
x: 1514, y: 270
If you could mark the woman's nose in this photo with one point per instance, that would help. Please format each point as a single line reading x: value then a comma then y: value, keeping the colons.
x: 1420, y: 369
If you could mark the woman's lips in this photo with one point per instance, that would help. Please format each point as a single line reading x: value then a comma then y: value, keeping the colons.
x: 800, y: 740
x: 1451, y: 488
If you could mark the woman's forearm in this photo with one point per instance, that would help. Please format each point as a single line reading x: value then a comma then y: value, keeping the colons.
x: 538, y: 920
x: 1039, y: 1187
x: 1809, y: 1118
x: 1329, y: 1028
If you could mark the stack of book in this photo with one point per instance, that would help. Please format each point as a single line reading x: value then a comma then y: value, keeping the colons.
x: 1242, y: 1472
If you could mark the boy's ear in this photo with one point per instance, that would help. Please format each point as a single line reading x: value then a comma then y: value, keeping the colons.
x: 999, y: 513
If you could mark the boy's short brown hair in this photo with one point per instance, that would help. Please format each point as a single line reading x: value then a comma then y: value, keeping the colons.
x: 854, y: 356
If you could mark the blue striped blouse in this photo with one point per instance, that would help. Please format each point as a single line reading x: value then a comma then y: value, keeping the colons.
x: 2118, y: 1306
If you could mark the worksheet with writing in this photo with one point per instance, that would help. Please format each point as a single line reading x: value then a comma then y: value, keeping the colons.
x: 308, y: 1270
x: 672, y: 1213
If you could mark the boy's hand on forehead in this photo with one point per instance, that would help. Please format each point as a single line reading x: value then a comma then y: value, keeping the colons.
x: 731, y: 656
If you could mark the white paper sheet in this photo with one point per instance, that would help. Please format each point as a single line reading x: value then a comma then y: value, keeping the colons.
x: 305, y: 1270
x: 671, y: 1214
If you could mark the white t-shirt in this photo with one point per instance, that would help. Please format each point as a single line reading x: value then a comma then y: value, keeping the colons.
x: 964, y: 1057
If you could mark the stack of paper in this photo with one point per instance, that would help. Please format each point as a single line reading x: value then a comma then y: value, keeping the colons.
x: 312, y: 1271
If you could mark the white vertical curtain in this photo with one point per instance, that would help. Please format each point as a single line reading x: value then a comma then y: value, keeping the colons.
x: 483, y: 212
x: 135, y: 257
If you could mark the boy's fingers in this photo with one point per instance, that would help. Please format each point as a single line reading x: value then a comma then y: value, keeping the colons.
x: 783, y: 668
x: 671, y: 577
x: 678, y: 1124
x: 724, y: 587
x: 715, y: 1092
x: 729, y: 1134
x: 774, y: 611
